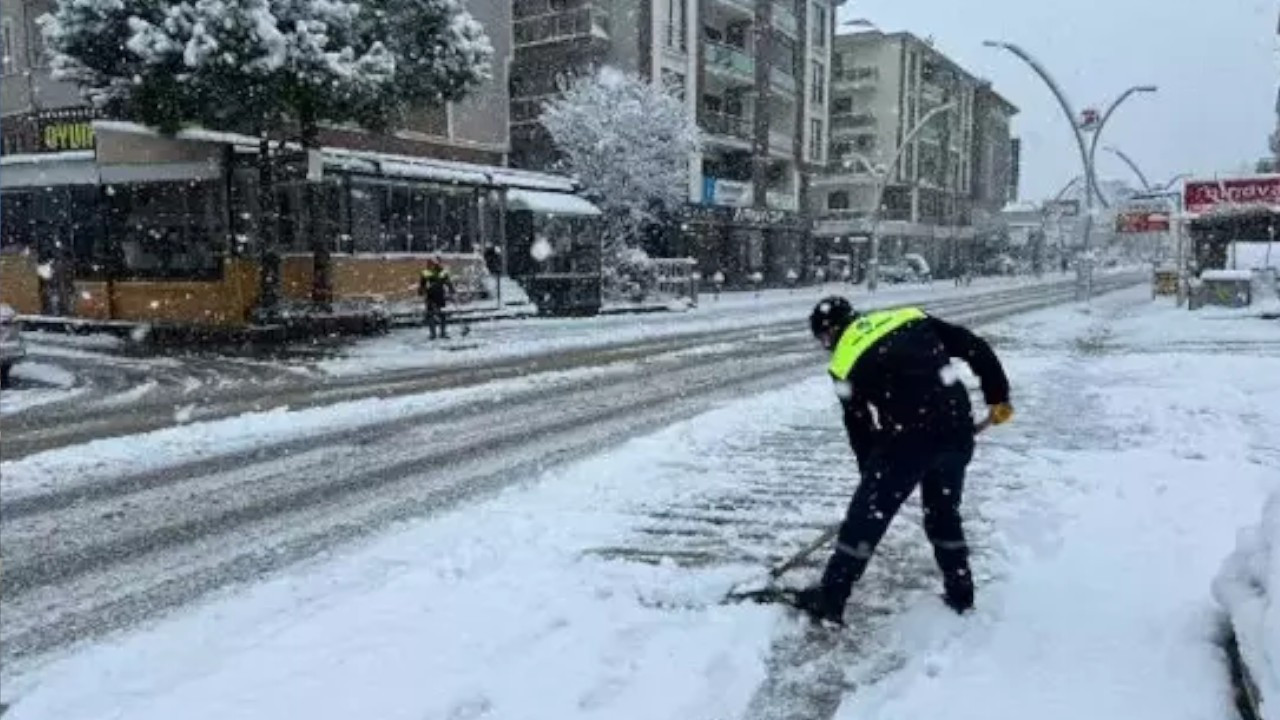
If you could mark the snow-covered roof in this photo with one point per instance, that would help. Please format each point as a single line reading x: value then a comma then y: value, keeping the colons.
x: 551, y: 203
x: 406, y: 166
x: 1227, y: 275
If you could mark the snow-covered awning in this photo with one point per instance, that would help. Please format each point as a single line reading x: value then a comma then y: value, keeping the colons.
x: 551, y: 203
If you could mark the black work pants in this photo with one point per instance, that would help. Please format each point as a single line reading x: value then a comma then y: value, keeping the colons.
x: 889, y: 476
x: 436, y: 317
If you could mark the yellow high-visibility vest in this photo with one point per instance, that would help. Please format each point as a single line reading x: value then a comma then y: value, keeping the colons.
x: 865, y: 332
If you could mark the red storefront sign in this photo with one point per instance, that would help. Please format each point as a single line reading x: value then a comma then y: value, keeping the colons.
x: 1204, y: 195
x: 1142, y: 221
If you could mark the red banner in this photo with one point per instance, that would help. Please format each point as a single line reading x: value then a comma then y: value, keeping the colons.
x: 1142, y: 221
x: 1204, y: 195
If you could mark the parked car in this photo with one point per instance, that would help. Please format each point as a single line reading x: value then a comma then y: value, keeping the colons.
x: 11, y: 348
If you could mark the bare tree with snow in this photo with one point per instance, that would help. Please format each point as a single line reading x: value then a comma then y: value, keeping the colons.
x: 629, y: 142
x: 268, y: 67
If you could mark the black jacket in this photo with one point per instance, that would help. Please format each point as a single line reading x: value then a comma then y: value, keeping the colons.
x: 902, y: 392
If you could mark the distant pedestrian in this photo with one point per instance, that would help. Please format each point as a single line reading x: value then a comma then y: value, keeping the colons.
x: 436, y: 287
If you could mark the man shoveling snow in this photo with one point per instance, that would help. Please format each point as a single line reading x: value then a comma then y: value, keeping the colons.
x: 909, y: 423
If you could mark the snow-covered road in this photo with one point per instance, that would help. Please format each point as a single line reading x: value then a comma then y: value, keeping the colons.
x: 99, y: 536
x: 135, y: 395
x: 590, y: 590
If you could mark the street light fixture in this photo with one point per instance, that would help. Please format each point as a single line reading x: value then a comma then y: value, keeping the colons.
x: 1146, y: 185
x: 1084, y: 269
x: 1097, y: 134
x: 881, y: 183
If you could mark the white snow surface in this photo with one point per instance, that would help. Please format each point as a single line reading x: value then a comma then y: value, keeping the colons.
x: 1144, y: 439
x: 411, y: 348
x: 1247, y: 588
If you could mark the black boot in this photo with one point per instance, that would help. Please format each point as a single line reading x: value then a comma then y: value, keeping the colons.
x: 820, y: 603
x: 959, y: 594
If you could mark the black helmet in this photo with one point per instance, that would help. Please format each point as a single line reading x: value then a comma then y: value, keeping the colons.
x: 831, y: 316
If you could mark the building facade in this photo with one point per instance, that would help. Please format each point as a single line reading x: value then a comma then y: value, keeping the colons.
x: 106, y: 219
x: 938, y: 188
x: 755, y: 75
x: 40, y: 114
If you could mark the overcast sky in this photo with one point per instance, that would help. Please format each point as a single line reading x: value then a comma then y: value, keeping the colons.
x: 1217, y: 63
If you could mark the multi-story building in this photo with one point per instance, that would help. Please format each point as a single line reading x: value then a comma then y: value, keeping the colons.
x: 41, y: 114
x: 755, y: 75
x: 883, y: 85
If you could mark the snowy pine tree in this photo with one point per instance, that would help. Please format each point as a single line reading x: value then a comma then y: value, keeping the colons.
x: 629, y: 143
x: 268, y: 67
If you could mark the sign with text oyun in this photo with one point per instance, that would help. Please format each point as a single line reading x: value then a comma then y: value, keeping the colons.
x: 1201, y: 196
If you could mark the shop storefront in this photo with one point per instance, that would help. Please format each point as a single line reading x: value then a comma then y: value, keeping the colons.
x: 744, y: 243
x: 154, y: 229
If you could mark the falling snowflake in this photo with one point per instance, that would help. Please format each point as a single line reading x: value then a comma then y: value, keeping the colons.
x: 45, y: 271
x: 541, y: 250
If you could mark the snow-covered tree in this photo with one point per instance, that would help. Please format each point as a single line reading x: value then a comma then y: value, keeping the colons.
x: 268, y: 67
x: 629, y: 142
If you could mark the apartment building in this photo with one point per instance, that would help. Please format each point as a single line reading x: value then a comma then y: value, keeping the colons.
x: 755, y: 75
x: 883, y: 86
x: 40, y: 114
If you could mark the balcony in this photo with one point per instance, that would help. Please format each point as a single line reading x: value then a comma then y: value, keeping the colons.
x: 858, y: 78
x: 782, y: 200
x: 782, y: 82
x: 731, y: 61
x: 784, y: 18
x: 846, y: 122
x: 737, y: 127
x: 582, y: 22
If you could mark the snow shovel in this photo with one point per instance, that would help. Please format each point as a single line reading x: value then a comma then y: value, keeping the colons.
x: 771, y: 592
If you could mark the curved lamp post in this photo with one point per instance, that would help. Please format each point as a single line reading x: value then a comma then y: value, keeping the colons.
x: 1146, y: 185
x: 1084, y: 275
x: 1097, y: 133
x: 882, y: 182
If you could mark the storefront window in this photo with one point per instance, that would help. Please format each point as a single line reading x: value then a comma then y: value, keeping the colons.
x: 167, y: 230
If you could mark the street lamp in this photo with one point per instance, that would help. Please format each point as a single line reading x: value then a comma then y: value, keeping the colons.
x: 1132, y: 165
x: 1097, y: 134
x: 1084, y: 270
x: 882, y: 181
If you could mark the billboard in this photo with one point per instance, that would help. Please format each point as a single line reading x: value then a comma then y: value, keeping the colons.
x: 1142, y: 220
x: 1201, y: 196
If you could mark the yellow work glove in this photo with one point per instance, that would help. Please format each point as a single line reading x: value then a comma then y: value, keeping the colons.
x: 1001, y: 413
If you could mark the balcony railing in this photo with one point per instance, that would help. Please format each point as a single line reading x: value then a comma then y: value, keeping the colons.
x: 736, y: 126
x: 731, y: 60
x: 851, y: 121
x: 784, y: 18
x: 587, y: 21
x: 856, y: 78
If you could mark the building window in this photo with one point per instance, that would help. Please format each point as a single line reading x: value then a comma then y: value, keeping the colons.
x: 818, y: 35
x: 6, y: 47
x: 842, y: 106
x: 675, y: 35
x: 818, y: 92
x: 838, y: 200
x: 815, y: 140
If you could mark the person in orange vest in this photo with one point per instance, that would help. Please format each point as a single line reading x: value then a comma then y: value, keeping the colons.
x: 436, y: 287
x: 909, y: 422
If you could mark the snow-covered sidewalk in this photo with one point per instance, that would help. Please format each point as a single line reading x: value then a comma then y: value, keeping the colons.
x: 1145, y: 438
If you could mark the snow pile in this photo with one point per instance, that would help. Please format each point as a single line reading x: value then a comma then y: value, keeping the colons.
x: 1245, y: 587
